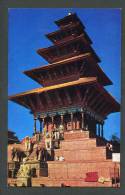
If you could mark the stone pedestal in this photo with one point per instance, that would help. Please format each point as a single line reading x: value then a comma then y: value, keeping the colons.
x: 24, y: 181
x: 38, y: 168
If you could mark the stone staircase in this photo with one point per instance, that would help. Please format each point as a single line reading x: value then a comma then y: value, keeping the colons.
x: 81, y: 155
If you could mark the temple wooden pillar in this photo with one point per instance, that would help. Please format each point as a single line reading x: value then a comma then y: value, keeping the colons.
x: 102, y: 130
x: 35, y: 125
x: 41, y: 120
x: 47, y: 124
x: 71, y: 120
x: 99, y: 129
x: 82, y: 120
x: 74, y: 124
x: 52, y: 121
x: 61, y: 119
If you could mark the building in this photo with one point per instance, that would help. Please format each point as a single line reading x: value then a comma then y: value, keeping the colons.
x: 71, y: 108
x: 12, y: 138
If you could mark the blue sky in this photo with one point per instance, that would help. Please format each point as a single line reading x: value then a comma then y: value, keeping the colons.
x: 26, y: 34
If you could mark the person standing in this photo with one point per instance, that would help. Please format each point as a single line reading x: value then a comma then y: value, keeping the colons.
x: 37, y: 152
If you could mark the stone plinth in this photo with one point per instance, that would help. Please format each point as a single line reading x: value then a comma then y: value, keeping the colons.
x: 23, y: 182
x: 40, y: 168
x: 78, y: 170
x: 82, y: 154
x: 67, y: 183
x: 71, y: 135
x: 78, y: 144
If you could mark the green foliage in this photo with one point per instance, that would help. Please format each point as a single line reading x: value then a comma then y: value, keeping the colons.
x: 114, y: 137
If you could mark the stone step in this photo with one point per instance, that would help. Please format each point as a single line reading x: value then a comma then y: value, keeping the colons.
x: 71, y: 135
x: 68, y: 183
x: 78, y: 144
x: 70, y: 170
x: 73, y: 174
x: 82, y: 154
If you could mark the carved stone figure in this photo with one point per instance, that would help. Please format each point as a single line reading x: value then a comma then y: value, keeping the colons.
x: 13, y: 153
x: 24, y: 171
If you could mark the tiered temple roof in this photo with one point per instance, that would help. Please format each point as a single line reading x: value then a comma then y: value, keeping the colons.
x: 80, y: 65
x: 70, y: 106
x: 72, y: 78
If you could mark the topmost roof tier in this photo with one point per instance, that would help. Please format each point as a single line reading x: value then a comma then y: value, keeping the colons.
x: 71, y: 18
x: 70, y: 26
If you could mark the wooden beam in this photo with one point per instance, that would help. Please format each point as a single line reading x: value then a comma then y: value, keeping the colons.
x: 58, y: 52
x: 39, y: 102
x: 24, y: 102
x: 55, y: 74
x: 107, y: 107
x: 47, y: 97
x: 78, y: 94
x: 85, y: 96
x: 68, y: 70
x: 58, y: 97
x: 82, y: 67
x: 41, y: 76
x: 49, y: 75
x: 101, y: 107
x: 76, y: 67
x: 77, y: 46
x: 90, y: 97
x: 107, y: 111
x: 95, y: 99
x: 67, y: 96
x: 31, y: 103
x: 99, y: 102
x: 62, y: 73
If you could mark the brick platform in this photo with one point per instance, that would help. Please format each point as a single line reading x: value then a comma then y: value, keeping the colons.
x: 78, y: 170
x: 81, y: 155
x: 67, y: 182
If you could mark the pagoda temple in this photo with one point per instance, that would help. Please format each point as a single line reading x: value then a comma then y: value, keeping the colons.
x: 71, y: 107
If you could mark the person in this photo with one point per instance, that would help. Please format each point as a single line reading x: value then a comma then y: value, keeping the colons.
x: 57, y: 158
x: 56, y: 133
x: 19, y: 155
x: 109, y: 147
x: 45, y: 154
x: 61, y: 158
x: 13, y: 153
x: 61, y: 131
x: 48, y: 140
x: 37, y: 152
x: 37, y: 137
x: 27, y: 143
x: 42, y: 154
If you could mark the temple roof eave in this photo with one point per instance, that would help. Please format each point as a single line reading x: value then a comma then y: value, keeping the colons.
x: 48, y: 88
x: 53, y: 35
x: 110, y: 104
x: 72, y: 16
x: 30, y: 73
x: 44, y: 51
x: 50, y: 65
